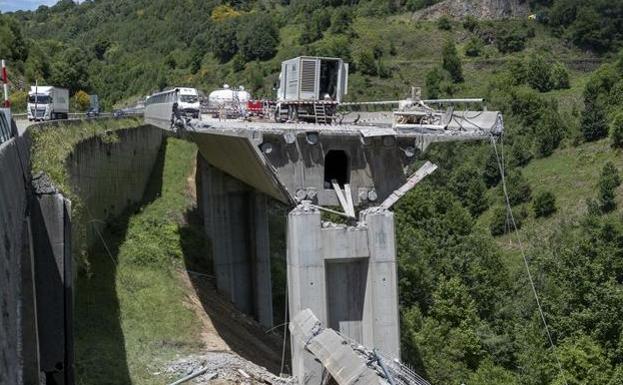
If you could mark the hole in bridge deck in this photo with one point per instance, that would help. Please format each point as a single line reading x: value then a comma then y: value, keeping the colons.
x: 336, y: 168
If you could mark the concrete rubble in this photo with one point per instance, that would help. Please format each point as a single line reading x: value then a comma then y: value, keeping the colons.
x: 347, y: 361
x: 228, y: 367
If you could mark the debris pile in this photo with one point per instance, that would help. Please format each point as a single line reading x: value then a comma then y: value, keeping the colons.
x: 223, y: 368
x: 347, y: 361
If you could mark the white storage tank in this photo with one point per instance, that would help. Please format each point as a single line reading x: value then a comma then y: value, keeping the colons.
x: 229, y: 98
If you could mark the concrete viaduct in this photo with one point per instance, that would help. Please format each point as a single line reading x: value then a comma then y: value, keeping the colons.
x: 344, y: 273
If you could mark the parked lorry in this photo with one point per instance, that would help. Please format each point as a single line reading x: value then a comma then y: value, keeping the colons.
x: 311, y: 88
x: 48, y: 103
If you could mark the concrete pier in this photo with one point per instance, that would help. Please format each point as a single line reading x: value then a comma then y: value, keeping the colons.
x: 346, y: 275
x: 236, y: 224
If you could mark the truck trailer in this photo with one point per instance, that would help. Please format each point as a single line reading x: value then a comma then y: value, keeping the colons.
x: 48, y: 103
x: 311, y: 88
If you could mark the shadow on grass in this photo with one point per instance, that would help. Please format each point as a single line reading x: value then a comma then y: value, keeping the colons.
x: 99, y: 342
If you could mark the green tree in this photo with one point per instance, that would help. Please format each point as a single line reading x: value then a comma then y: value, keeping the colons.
x: 452, y: 62
x: 434, y: 78
x: 491, y: 174
x: 489, y: 373
x: 559, y: 76
x: 539, y: 74
x: 81, y: 101
x: 13, y: 47
x: 341, y: 20
x: 474, y: 47
x: 593, y: 122
x: 18, y: 101
x: 71, y: 70
x: 510, y: 39
x: 37, y: 66
x: 470, y: 23
x: 616, y: 131
x: 444, y: 23
x: 518, y: 71
x: 258, y: 37
x: 583, y: 362
x: 369, y: 61
x: 520, y: 152
x: 518, y: 188
x: 468, y: 186
x: 609, y: 180
x: 223, y: 41
x: 544, y: 204
x: 500, y: 221
x: 366, y: 64
x: 548, y: 134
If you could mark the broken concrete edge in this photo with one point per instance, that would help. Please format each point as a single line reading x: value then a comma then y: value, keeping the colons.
x: 333, y: 351
x: 346, y: 360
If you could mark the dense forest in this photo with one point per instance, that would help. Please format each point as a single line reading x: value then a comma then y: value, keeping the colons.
x: 468, y: 311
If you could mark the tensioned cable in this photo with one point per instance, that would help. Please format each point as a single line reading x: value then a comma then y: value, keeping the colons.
x: 525, y: 260
x: 101, y: 237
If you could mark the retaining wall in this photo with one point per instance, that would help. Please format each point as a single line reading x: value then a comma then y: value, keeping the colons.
x: 14, y: 253
x: 109, y: 177
x: 36, y: 229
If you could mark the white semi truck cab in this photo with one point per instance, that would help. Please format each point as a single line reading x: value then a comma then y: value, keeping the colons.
x: 48, y: 103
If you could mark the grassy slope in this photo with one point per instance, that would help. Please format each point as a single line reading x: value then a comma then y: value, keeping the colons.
x: 571, y: 174
x: 140, y: 299
x: 417, y: 48
x: 51, y: 146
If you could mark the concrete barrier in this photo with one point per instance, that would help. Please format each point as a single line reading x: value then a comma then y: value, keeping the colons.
x: 16, y: 329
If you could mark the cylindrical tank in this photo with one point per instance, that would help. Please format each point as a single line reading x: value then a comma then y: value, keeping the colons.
x: 229, y: 98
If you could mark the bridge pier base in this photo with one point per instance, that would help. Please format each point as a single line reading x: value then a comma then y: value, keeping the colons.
x: 346, y: 275
x: 236, y: 223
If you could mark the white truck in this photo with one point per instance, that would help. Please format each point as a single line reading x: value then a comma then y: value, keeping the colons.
x: 48, y: 103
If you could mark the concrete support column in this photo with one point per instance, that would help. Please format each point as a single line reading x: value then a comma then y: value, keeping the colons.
x: 346, y: 275
x: 306, y: 283
x: 381, y: 318
x: 236, y: 223
x: 261, y: 259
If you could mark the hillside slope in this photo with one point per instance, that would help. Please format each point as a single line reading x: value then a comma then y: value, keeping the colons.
x: 123, y: 50
x: 480, y: 9
x: 467, y: 307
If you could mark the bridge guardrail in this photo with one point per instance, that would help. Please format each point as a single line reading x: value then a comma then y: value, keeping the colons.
x: 79, y: 115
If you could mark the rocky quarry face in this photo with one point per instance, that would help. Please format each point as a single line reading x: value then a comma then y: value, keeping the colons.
x: 480, y: 9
